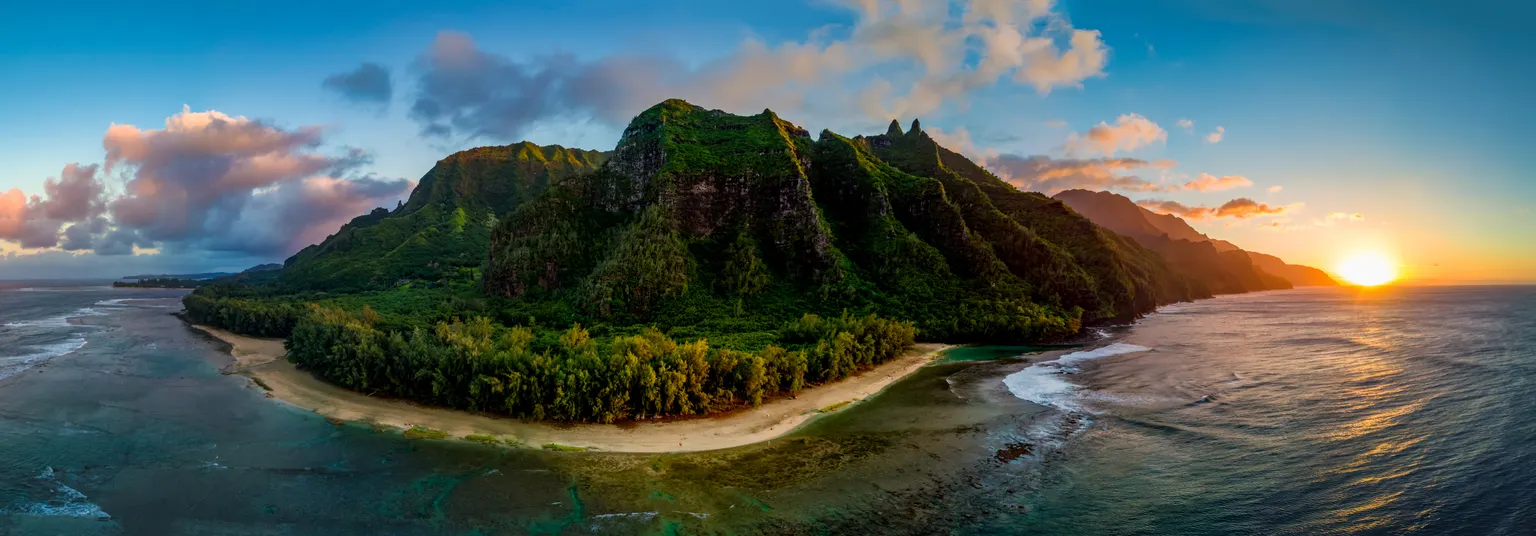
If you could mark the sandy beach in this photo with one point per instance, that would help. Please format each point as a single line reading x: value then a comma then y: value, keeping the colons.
x: 263, y: 361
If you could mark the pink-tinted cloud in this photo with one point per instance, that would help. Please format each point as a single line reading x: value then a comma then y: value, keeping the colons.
x: 1241, y: 208
x: 1209, y: 183
x: 1048, y: 175
x: 1216, y: 135
x: 1244, y: 208
x: 1130, y: 132
x: 13, y: 213
x: 201, y: 178
x: 36, y: 221
x: 206, y: 181
x: 1162, y: 206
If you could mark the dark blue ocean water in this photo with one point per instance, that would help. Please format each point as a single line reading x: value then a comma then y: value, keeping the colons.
x: 1315, y: 411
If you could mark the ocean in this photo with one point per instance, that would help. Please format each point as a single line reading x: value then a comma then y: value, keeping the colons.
x: 1323, y: 410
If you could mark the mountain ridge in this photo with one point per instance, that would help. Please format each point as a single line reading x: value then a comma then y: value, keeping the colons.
x: 1169, y: 232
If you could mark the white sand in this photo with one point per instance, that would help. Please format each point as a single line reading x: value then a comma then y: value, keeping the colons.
x: 263, y: 360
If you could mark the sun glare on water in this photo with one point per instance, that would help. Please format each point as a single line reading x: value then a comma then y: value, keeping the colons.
x: 1368, y: 269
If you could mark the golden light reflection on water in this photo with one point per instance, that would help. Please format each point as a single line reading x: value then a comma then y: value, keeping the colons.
x: 1371, y: 424
x: 1372, y: 504
x: 1367, y: 522
x: 1377, y: 479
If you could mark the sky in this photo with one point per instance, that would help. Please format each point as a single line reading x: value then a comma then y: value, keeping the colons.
x: 181, y: 137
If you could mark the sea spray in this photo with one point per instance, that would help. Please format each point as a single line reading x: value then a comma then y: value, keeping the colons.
x: 1044, y: 384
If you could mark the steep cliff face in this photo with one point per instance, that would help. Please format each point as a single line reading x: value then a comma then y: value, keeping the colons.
x: 443, y: 230
x: 703, y: 208
x: 682, y: 176
x: 1066, y: 256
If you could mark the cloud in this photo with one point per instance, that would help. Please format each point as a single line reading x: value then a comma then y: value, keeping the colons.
x: 35, y: 222
x: 1216, y: 135
x: 898, y: 59
x: 206, y: 181
x: 1283, y: 225
x: 1335, y: 218
x: 368, y: 84
x: 1275, y: 189
x: 1186, y: 124
x: 1208, y: 183
x: 1241, y: 208
x: 1130, y: 131
x: 1176, y: 208
x: 959, y: 140
x: 1048, y: 67
x: 1045, y: 174
x: 1055, y: 123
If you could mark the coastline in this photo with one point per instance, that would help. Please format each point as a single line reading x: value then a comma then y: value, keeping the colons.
x: 263, y: 361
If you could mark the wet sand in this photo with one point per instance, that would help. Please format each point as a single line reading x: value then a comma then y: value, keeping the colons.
x: 263, y: 361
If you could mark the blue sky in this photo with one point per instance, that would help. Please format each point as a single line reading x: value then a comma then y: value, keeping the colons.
x: 1409, y: 114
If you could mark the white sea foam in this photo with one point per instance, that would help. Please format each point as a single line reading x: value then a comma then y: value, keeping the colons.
x: 646, y: 516
x: 131, y: 302
x: 60, y: 321
x: 1046, y: 384
x: 10, y: 365
x: 67, y: 501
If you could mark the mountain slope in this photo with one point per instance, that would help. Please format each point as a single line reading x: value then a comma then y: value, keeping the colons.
x: 1222, y: 264
x: 703, y: 216
x: 1039, y: 239
x: 443, y: 230
x: 1301, y: 276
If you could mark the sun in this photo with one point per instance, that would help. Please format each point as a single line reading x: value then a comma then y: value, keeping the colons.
x: 1368, y: 269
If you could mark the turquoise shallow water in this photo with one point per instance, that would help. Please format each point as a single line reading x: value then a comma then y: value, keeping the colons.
x: 1309, y: 411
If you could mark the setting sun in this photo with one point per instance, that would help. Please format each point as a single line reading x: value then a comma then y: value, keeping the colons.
x: 1368, y: 269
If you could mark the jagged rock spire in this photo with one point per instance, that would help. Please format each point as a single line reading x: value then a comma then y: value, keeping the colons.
x: 917, y: 127
x: 895, y: 129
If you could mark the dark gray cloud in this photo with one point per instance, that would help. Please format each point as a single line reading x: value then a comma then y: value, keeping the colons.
x: 369, y: 83
x: 464, y: 91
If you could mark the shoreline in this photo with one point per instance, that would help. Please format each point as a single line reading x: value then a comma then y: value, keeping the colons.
x: 263, y: 361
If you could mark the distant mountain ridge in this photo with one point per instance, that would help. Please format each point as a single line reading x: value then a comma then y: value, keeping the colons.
x: 1172, y: 236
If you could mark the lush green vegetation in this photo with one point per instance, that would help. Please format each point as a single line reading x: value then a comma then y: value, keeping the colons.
x: 443, y: 231
x: 422, y: 432
x: 479, y: 366
x: 709, y: 262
